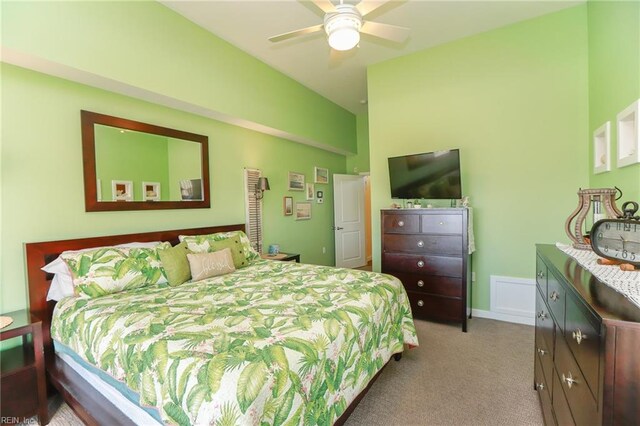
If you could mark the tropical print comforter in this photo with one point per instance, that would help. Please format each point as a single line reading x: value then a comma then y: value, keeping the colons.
x: 274, y: 343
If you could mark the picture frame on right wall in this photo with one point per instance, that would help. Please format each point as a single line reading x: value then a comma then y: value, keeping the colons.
x: 287, y: 206
x: 320, y: 175
x: 295, y: 181
x: 303, y: 210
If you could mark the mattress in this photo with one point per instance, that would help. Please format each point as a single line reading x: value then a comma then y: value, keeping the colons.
x: 274, y: 342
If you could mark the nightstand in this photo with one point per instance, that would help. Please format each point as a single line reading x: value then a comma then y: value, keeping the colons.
x: 285, y: 257
x: 23, y: 391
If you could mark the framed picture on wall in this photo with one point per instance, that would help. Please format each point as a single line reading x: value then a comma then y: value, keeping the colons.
x: 288, y: 206
x: 151, y: 191
x: 320, y: 175
x: 122, y: 190
x: 295, y: 181
x: 311, y: 192
x: 303, y: 210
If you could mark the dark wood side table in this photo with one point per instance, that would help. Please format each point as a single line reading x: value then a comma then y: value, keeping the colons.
x: 284, y: 257
x: 23, y: 391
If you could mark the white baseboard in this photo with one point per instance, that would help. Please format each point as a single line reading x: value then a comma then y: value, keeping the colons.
x: 481, y: 313
x: 512, y: 300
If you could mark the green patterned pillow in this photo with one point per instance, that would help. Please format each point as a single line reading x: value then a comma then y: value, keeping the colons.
x: 201, y: 243
x: 110, y: 270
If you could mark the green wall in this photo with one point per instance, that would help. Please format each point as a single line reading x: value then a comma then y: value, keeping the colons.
x: 134, y: 156
x: 150, y: 47
x: 515, y: 101
x: 360, y: 162
x: 42, y: 184
x: 614, y: 83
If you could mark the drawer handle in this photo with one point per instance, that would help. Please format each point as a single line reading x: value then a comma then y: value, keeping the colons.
x: 420, y: 303
x: 420, y: 263
x: 578, y: 336
x: 400, y: 223
x: 441, y: 223
x: 541, y: 352
x: 420, y: 283
x: 569, y: 380
x: 540, y: 386
x: 540, y: 274
x: 554, y: 296
x: 542, y: 315
x: 420, y: 243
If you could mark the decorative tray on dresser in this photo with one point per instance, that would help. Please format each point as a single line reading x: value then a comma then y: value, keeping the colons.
x: 427, y: 249
x: 587, y: 346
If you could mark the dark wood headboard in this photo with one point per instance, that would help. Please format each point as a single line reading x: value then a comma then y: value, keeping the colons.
x: 39, y: 254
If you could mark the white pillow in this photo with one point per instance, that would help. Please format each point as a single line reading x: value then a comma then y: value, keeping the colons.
x: 62, y: 283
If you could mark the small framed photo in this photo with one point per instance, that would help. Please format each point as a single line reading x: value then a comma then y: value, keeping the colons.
x: 295, y: 181
x: 311, y: 192
x: 122, y: 190
x: 303, y: 210
x: 287, y: 206
x: 151, y: 191
x: 320, y: 175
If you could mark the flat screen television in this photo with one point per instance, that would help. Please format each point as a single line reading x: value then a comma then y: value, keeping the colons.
x: 431, y: 175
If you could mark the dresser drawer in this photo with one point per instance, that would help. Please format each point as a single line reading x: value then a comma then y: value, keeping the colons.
x: 583, y: 337
x: 544, y: 356
x: 422, y: 264
x: 541, y: 275
x: 442, y: 224
x: 543, y: 387
x: 583, y: 406
x: 560, y: 404
x: 432, y: 284
x: 556, y: 296
x: 435, y: 307
x: 401, y: 223
x: 545, y: 327
x: 445, y: 245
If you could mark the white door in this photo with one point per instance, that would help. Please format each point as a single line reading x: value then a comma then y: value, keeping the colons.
x: 348, y: 191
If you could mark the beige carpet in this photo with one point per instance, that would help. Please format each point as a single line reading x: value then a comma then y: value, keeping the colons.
x: 483, y: 377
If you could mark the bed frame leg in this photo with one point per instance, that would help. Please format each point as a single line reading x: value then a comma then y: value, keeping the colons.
x: 398, y: 356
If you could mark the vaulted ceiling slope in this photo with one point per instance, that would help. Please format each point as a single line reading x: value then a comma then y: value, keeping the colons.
x: 341, y: 76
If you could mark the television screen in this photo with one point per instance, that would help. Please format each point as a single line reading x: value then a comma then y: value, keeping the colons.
x: 432, y: 175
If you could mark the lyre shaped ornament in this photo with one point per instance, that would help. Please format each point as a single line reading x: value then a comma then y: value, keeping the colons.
x: 602, y: 197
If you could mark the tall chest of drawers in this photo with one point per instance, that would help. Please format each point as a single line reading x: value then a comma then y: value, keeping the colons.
x: 587, y: 346
x: 427, y: 250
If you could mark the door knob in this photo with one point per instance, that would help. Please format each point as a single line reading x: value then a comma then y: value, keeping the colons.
x: 337, y: 228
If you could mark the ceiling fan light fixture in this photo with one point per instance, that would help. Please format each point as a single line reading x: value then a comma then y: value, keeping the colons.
x: 343, y: 28
x: 344, y: 39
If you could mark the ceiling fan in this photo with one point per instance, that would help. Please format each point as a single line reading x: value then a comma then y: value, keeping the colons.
x: 344, y: 22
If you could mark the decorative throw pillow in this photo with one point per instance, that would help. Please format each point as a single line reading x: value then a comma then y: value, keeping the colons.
x: 206, y: 265
x: 112, y: 269
x: 236, y: 248
x: 175, y: 264
x: 203, y: 243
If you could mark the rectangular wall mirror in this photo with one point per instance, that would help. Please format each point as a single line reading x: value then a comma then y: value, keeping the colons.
x: 129, y: 165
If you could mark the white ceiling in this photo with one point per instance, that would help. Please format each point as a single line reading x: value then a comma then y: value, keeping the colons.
x: 341, y: 76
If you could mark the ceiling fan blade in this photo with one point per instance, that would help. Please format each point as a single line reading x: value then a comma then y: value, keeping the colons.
x: 386, y: 31
x: 296, y: 33
x: 325, y: 5
x: 365, y: 7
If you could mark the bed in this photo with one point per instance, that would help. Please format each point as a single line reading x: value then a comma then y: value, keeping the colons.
x: 275, y: 342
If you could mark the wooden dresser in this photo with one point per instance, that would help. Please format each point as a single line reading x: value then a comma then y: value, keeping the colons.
x: 587, y: 346
x: 427, y: 250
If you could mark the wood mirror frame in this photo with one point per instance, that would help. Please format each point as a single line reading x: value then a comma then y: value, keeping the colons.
x: 89, y: 119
